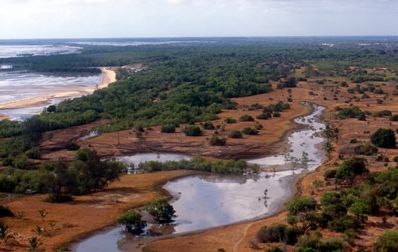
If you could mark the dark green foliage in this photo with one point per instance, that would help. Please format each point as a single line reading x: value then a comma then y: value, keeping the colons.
x: 133, y: 222
x: 387, y: 242
x: 301, y: 204
x: 246, y: 118
x: 366, y: 150
x: 314, y: 243
x: 230, y: 120
x: 161, y: 211
x: 72, y: 146
x: 383, y: 113
x: 289, y: 83
x: 199, y: 164
x: 329, y: 174
x: 10, y: 128
x: 278, y: 233
x: 264, y: 116
x: 33, y: 153
x: 235, y: 134
x: 384, y: 138
x: 351, y: 168
x: 217, y: 141
x: 168, y: 128
x: 208, y: 126
x: 5, y: 212
x: 332, y: 204
x: 192, y: 131
x: 250, y: 131
x: 394, y: 118
x: 350, y: 112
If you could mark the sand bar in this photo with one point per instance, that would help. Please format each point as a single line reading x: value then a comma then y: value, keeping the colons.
x: 108, y: 77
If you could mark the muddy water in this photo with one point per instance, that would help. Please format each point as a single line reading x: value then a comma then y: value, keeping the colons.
x: 203, y: 202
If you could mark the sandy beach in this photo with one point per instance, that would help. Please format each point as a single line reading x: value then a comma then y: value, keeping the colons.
x: 62, y: 92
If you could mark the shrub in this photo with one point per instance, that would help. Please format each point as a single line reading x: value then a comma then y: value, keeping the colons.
x: 161, y: 211
x: 133, y: 222
x: 5, y: 212
x: 278, y: 233
x: 301, y: 204
x: 72, y: 146
x: 235, y: 134
x: 351, y: 168
x: 383, y: 113
x: 208, y: 126
x: 366, y: 150
x: 276, y: 114
x: 344, y: 223
x: 387, y: 242
x: 230, y: 120
x: 394, y: 118
x: 246, y: 118
x: 33, y: 153
x: 217, y: 141
x: 193, y: 131
x: 169, y: 128
x: 250, y: 131
x: 264, y: 116
x: 350, y: 112
x: 329, y: 174
x: 384, y: 138
x: 22, y: 162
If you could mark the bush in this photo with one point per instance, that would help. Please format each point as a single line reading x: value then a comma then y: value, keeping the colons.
x: 278, y: 233
x: 250, y: 131
x: 5, y: 212
x: 383, y: 113
x: 394, y: 118
x: 133, y: 222
x: 193, y: 131
x: 351, y: 168
x: 169, y: 128
x: 277, y: 114
x: 344, y: 223
x: 350, y: 112
x: 246, y: 118
x: 217, y: 141
x: 161, y: 211
x: 384, y: 138
x: 235, y: 134
x: 208, y: 126
x: 264, y: 116
x: 72, y: 146
x: 33, y: 153
x: 366, y: 150
x: 329, y: 174
x: 230, y: 120
x: 301, y: 204
x: 387, y: 242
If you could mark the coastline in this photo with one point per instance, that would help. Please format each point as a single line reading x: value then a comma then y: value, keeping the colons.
x: 108, y: 76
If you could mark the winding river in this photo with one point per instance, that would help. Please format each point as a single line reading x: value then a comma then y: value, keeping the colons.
x: 207, y: 201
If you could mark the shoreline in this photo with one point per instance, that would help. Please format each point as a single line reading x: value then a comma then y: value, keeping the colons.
x: 108, y: 76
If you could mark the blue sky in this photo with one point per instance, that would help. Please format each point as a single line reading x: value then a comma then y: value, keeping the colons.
x: 194, y: 18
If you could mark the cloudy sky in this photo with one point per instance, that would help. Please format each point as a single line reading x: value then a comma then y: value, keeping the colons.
x: 192, y: 18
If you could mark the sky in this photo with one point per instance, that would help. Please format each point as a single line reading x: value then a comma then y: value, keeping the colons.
x: 20, y: 19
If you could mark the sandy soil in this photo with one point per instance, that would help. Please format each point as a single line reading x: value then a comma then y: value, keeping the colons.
x: 70, y: 221
x: 108, y: 77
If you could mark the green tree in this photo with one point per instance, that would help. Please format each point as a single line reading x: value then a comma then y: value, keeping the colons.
x: 384, y: 138
x: 133, y: 222
x: 162, y: 211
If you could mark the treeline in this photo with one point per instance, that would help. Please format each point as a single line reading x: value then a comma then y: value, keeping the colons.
x: 199, y: 164
x: 62, y: 179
